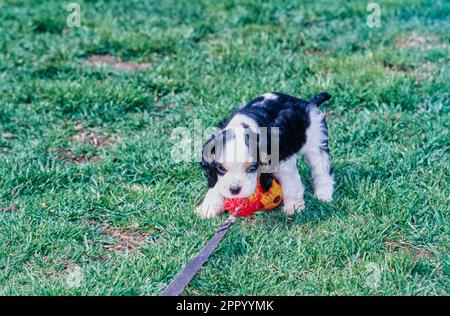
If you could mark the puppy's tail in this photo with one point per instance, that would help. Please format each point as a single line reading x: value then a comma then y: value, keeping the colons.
x: 319, y: 99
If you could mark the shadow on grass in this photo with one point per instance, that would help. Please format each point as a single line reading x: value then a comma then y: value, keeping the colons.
x: 347, y: 178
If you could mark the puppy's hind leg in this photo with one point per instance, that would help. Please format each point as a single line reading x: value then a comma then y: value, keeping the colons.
x: 317, y: 156
x: 291, y: 185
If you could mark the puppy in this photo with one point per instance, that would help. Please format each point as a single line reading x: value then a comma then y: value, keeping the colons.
x: 236, y: 157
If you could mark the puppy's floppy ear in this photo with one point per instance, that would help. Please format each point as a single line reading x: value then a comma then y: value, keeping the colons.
x: 207, y: 163
x: 266, y: 181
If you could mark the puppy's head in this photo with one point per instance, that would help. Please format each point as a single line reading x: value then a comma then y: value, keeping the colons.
x: 230, y: 162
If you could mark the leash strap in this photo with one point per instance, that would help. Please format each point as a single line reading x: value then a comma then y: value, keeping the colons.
x: 183, y: 278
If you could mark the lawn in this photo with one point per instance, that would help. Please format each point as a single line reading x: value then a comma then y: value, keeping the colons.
x: 92, y: 203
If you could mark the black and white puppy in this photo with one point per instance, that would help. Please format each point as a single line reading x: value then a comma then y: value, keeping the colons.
x: 233, y: 159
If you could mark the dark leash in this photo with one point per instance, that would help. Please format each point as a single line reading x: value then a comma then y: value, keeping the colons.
x: 183, y: 278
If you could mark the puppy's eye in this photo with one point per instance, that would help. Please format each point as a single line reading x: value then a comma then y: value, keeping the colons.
x: 220, y: 169
x: 251, y: 169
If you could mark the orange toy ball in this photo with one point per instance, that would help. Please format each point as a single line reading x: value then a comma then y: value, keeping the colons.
x: 257, y: 201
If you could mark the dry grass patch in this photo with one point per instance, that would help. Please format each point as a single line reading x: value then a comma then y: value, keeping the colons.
x: 125, y: 239
x: 417, y: 41
x: 92, y: 139
x: 116, y: 63
x: 67, y: 155
x: 401, y: 246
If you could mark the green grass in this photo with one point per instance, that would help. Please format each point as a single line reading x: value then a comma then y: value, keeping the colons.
x: 64, y: 225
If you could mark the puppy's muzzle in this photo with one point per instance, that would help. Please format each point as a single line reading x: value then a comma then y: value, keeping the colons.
x: 235, y: 189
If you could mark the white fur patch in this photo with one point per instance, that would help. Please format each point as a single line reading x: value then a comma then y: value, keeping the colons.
x: 270, y: 96
x: 235, y: 149
x: 234, y: 158
x: 240, y: 119
x: 212, y: 205
x: 318, y: 160
x: 291, y: 185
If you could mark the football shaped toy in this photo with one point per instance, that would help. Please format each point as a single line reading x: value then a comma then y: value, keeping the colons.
x: 258, y: 201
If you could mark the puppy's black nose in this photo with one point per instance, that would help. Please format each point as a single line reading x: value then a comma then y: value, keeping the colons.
x: 235, y: 189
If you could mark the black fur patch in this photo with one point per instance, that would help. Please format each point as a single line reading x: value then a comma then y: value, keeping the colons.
x: 266, y: 181
x: 212, y: 147
x: 207, y: 162
x: 324, y: 146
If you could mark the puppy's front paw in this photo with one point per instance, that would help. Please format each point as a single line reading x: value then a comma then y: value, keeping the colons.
x: 325, y: 195
x: 206, y: 210
x: 292, y: 206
